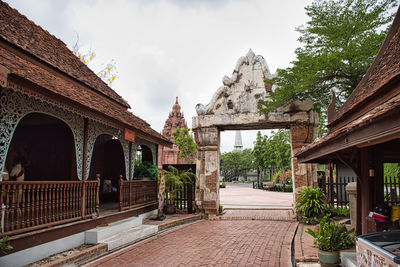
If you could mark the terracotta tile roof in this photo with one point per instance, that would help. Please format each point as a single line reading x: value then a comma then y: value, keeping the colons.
x: 24, y: 33
x: 26, y: 67
x: 385, y: 67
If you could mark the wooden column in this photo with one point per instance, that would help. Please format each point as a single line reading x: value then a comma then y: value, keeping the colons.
x: 130, y: 161
x: 366, y: 187
x: 85, y: 141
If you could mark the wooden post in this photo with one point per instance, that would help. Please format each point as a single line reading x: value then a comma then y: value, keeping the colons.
x: 331, y: 192
x: 83, y: 198
x: 85, y: 141
x: 97, y: 195
x: 130, y: 161
x: 120, y: 192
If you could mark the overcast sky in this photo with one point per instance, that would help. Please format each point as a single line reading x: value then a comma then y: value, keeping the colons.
x: 170, y: 48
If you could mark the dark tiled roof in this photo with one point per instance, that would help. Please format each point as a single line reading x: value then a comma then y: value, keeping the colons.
x: 385, y: 67
x: 22, y: 65
x: 24, y: 33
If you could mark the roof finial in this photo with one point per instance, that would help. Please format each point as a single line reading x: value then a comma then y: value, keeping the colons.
x: 176, y: 102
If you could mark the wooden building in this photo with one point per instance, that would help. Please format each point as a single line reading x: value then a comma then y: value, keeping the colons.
x: 364, y: 133
x: 74, y: 134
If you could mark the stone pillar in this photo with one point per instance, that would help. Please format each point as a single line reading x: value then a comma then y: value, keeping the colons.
x: 302, y: 174
x: 207, y: 171
x: 351, y: 189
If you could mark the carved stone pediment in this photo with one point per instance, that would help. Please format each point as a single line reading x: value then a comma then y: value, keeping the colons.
x: 241, y: 92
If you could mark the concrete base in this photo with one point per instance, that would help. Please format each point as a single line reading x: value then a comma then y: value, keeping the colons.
x: 348, y: 259
x: 134, y: 234
x: 37, y: 253
x: 33, y: 254
x: 122, y: 232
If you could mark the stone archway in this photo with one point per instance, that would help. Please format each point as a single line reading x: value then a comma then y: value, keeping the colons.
x: 234, y: 107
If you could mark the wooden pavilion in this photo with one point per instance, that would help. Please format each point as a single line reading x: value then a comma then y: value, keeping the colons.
x: 74, y: 134
x: 364, y: 133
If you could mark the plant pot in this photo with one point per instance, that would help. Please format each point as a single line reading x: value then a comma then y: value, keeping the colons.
x: 328, y: 257
x: 169, y: 209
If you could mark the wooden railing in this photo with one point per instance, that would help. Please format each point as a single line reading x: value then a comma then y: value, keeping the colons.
x: 30, y: 205
x: 136, y: 192
x: 184, y: 197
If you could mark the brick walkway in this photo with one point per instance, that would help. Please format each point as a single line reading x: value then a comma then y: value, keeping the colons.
x: 262, y: 214
x: 212, y: 243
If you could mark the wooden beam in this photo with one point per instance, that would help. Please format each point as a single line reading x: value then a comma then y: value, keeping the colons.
x: 385, y: 128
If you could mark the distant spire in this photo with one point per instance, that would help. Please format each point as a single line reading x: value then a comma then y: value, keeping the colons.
x: 238, y: 142
x: 176, y: 102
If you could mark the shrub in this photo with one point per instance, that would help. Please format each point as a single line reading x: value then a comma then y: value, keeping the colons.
x: 310, y: 205
x: 288, y: 188
x: 276, y: 176
x: 220, y: 209
x: 339, y: 211
x: 146, y: 169
x: 223, y: 185
x: 5, y: 245
x: 332, y: 236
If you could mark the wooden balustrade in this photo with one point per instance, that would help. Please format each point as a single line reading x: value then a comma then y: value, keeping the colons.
x: 30, y: 205
x: 136, y: 192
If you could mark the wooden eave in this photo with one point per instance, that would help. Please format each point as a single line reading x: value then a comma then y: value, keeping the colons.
x: 378, y: 130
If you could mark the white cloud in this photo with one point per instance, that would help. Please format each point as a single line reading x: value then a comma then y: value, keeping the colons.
x: 173, y: 48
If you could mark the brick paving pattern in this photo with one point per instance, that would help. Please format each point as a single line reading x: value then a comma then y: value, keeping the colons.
x: 212, y: 243
x: 262, y: 214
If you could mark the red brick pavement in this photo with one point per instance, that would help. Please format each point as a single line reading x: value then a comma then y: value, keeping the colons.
x: 261, y: 214
x: 212, y: 243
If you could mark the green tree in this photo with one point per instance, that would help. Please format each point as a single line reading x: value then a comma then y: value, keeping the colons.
x: 184, y: 140
x: 236, y: 164
x: 339, y: 43
x: 259, y: 154
x: 281, y: 154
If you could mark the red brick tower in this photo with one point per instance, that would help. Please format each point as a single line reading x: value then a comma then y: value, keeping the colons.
x: 175, y: 120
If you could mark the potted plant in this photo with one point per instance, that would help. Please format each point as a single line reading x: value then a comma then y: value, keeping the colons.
x: 330, y: 237
x: 174, y: 180
x: 310, y: 204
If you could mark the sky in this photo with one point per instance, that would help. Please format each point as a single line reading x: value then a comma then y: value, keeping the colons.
x: 168, y: 48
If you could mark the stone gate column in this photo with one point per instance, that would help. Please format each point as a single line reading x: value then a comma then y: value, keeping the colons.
x: 207, y: 170
x: 302, y: 174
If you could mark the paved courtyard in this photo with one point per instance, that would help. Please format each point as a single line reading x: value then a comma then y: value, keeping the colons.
x: 260, y: 233
x: 244, y: 196
x: 212, y: 243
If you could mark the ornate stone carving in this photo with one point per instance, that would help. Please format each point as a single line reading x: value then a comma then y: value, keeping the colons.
x: 241, y: 92
x: 14, y: 106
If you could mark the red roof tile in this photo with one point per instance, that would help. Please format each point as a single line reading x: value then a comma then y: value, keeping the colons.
x: 54, y: 52
x: 24, y: 33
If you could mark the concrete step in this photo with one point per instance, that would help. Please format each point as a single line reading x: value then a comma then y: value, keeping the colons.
x: 93, y: 236
x: 134, y: 234
x: 348, y: 259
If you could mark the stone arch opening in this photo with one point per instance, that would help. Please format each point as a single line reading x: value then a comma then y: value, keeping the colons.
x: 234, y: 107
x: 45, y: 146
x: 108, y: 163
